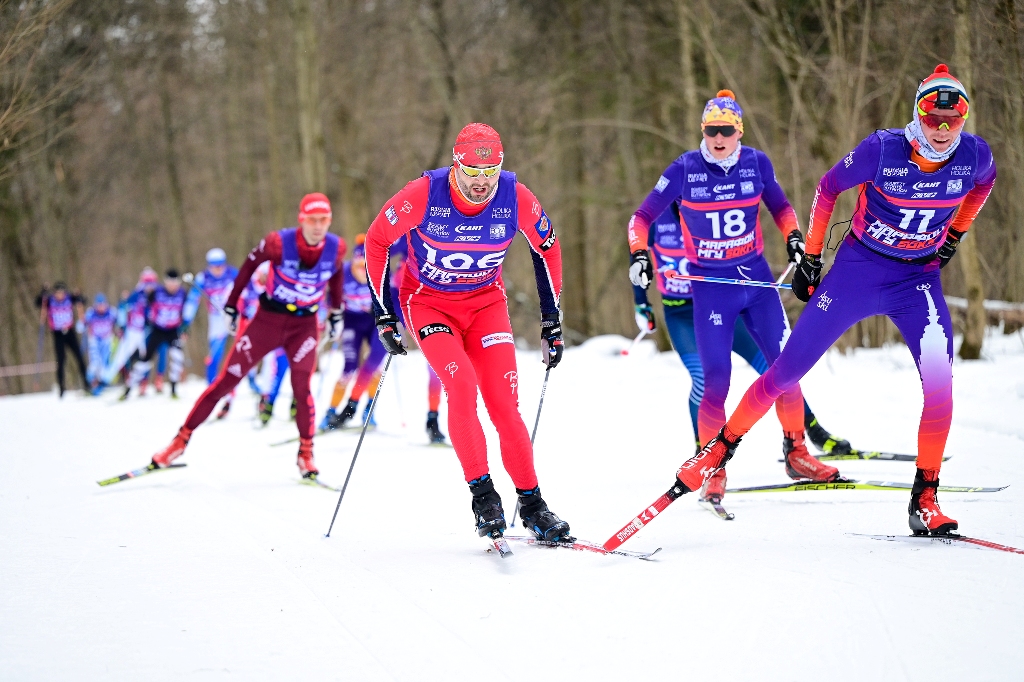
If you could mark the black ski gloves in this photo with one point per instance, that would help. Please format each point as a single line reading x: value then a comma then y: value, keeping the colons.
x: 948, y: 248
x: 807, y: 277
x: 232, y: 313
x: 644, y: 316
x: 387, y: 329
x: 333, y: 324
x: 795, y: 245
x: 641, y: 272
x: 551, y: 339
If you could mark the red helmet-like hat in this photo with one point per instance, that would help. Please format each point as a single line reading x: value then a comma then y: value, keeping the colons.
x: 478, y: 144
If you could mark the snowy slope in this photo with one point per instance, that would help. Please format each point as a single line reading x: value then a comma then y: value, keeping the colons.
x: 221, y: 570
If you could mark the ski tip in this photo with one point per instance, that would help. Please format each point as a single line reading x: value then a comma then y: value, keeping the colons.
x: 650, y: 557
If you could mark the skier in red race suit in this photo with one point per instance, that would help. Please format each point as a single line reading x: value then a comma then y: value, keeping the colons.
x: 458, y: 223
x: 304, y: 263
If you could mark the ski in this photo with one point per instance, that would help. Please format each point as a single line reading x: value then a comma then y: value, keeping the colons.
x: 943, y: 539
x: 850, y: 484
x: 717, y: 509
x: 499, y: 544
x: 581, y: 546
x: 148, y: 469
x: 313, y: 480
x: 863, y: 454
x: 643, y: 518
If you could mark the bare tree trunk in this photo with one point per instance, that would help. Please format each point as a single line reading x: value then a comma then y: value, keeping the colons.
x: 684, y: 9
x: 173, y: 179
x: 307, y: 77
x: 274, y: 151
x: 1014, y: 150
x: 974, y: 324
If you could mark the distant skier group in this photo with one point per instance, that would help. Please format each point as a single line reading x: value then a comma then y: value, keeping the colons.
x: 697, y: 236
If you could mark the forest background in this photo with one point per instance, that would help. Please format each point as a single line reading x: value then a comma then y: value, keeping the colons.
x: 144, y: 132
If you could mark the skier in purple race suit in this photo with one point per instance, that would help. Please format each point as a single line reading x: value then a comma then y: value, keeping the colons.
x: 719, y: 189
x: 920, y: 189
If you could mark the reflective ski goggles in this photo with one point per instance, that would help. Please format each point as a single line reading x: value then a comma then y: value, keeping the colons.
x: 942, y: 122
x: 472, y: 172
x: 725, y: 131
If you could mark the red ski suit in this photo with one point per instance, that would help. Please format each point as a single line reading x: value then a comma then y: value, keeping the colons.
x: 461, y: 322
x: 298, y: 335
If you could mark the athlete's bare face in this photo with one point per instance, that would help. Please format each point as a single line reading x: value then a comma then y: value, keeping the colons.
x: 359, y: 270
x: 478, y: 189
x: 218, y: 270
x: 941, y: 138
x: 721, y: 146
x: 314, y: 227
x: 172, y: 285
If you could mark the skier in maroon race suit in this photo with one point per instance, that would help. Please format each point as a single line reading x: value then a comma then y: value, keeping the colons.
x: 458, y: 223
x: 305, y: 262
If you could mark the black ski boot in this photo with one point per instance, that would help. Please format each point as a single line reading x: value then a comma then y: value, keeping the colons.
x: 490, y: 517
x: 433, y: 430
x: 339, y: 419
x: 540, y: 520
x: 825, y: 441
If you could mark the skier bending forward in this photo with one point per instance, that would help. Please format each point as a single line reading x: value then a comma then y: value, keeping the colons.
x: 458, y: 222
x: 304, y: 263
x: 921, y: 187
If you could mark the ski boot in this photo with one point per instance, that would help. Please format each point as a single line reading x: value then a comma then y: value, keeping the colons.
x: 539, y: 519
x: 367, y: 415
x: 305, y: 459
x: 825, y: 441
x: 925, y: 515
x: 714, y: 490
x: 143, y: 385
x: 124, y: 395
x: 174, y: 390
x: 294, y: 410
x: 434, y: 430
x: 158, y: 384
x: 173, y: 451
x: 698, y: 469
x: 330, y: 416
x: 266, y: 410
x: 98, y: 388
x: 490, y: 517
x: 224, y: 409
x: 339, y: 419
x: 801, y: 464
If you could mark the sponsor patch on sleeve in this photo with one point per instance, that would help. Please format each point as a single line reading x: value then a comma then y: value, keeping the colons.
x: 543, y: 225
x: 661, y: 185
x: 391, y: 215
x: 549, y: 242
x: 435, y: 328
x: 493, y: 339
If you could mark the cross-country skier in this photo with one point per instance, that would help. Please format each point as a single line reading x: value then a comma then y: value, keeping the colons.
x: 665, y: 243
x: 458, y: 223
x: 100, y: 320
x: 133, y: 340
x: 215, y: 282
x: 168, y: 327
x: 921, y: 187
x: 305, y: 265
x: 359, y: 327
x: 59, y: 311
x: 719, y: 188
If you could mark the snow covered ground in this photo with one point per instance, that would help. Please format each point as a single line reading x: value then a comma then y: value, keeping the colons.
x: 221, y: 570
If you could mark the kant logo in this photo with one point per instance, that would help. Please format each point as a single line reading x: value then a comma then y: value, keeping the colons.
x: 725, y: 188
x: 919, y: 186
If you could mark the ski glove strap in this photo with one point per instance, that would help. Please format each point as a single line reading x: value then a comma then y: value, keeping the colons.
x: 641, y: 272
x: 232, y: 313
x: 795, y: 245
x: 948, y: 248
x: 644, y: 316
x: 807, y: 277
x: 333, y: 324
x: 390, y: 337
x: 551, y: 339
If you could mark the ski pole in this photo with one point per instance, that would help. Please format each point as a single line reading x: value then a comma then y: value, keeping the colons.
x: 784, y: 275
x: 729, y: 280
x: 362, y: 433
x: 642, y: 334
x: 533, y: 436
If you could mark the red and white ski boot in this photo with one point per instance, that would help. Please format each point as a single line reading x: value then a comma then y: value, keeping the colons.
x: 173, y: 451
x: 800, y: 464
x: 305, y: 460
x: 714, y: 490
x: 158, y: 383
x: 925, y: 516
x: 712, y: 457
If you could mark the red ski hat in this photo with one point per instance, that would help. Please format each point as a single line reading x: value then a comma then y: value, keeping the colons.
x: 478, y: 144
x: 315, y: 203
